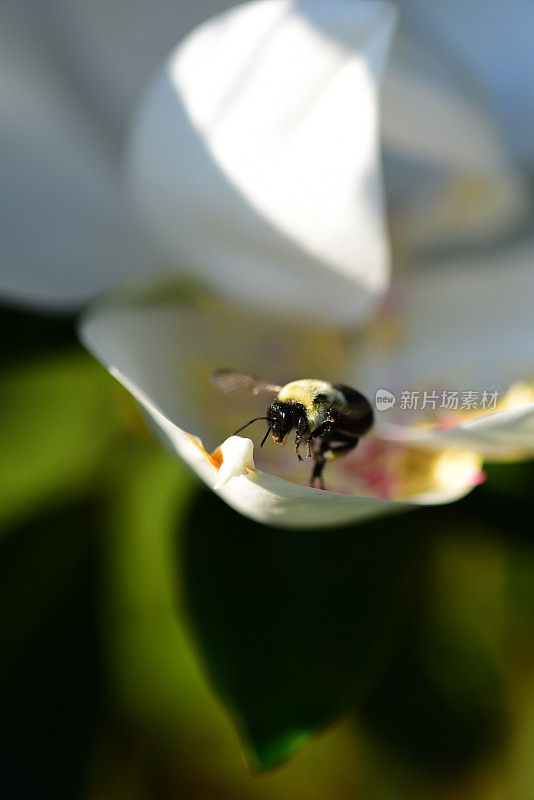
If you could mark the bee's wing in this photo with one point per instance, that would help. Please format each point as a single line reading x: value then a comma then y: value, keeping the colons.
x: 234, y: 381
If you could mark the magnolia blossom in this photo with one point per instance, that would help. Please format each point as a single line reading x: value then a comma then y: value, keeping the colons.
x: 71, y: 76
x: 253, y: 161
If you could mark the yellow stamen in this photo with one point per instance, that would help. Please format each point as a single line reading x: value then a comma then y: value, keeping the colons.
x: 420, y: 472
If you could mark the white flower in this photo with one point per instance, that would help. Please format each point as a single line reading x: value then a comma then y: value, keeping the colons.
x: 493, y: 40
x: 164, y: 351
x: 254, y: 162
x: 66, y: 229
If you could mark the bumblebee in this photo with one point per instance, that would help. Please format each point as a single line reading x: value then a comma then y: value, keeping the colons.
x: 330, y: 417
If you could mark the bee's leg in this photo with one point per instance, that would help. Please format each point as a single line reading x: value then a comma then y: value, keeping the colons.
x: 302, y: 428
x: 317, y: 471
x: 319, y: 456
x: 344, y: 444
x: 321, y: 434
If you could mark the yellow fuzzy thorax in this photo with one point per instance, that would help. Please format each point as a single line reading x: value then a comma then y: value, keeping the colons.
x: 304, y: 392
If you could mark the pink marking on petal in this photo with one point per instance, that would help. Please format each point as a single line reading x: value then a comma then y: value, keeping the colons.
x: 479, y: 477
x: 373, y: 468
x: 447, y: 422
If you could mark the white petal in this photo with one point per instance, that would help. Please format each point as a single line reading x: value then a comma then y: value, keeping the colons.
x: 461, y: 325
x: 254, y: 156
x: 502, y: 435
x: 101, y: 41
x: 258, y: 495
x: 62, y: 227
x: 149, y: 352
x: 168, y: 346
x: 237, y: 454
x: 113, y: 46
x: 449, y: 175
x: 494, y: 40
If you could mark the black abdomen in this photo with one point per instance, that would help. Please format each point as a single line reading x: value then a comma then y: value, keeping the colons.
x: 357, y: 416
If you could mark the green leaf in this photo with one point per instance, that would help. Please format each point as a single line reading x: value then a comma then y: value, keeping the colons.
x: 58, y: 415
x: 292, y: 624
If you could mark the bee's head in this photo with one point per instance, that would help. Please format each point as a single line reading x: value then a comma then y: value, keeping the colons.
x: 281, y: 419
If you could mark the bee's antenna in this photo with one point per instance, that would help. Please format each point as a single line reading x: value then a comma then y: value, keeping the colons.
x: 266, y: 435
x: 242, y: 428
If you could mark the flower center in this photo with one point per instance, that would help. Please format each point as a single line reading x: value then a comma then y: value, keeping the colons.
x: 396, y: 471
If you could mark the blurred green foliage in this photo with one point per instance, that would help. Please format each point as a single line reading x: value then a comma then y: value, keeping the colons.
x: 293, y: 625
x: 128, y: 592
x: 51, y: 445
